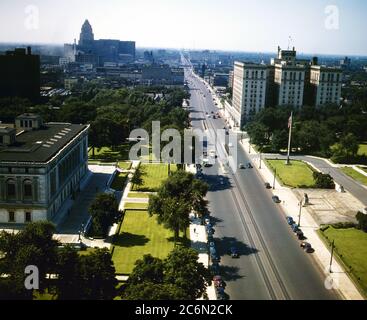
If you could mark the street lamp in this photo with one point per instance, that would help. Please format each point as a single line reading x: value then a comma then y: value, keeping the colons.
x: 300, y: 212
x: 275, y: 174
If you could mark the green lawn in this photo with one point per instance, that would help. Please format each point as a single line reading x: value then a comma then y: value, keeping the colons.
x: 125, y: 165
x: 296, y: 175
x: 351, y: 246
x: 153, y: 176
x: 362, y: 149
x: 106, y: 154
x: 355, y: 175
x: 138, y: 195
x: 140, y: 234
x: 132, y: 205
x: 119, y: 181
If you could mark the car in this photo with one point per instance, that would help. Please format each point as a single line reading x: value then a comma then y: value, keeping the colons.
x: 234, y: 252
x: 207, y: 220
x: 218, y: 281
x: 220, y: 293
x: 249, y: 165
x: 276, y: 199
x: 295, y: 227
x: 307, y: 247
x: 241, y: 166
x: 267, y: 185
x: 211, y: 244
x: 210, y: 231
x: 214, y: 117
x: 215, y: 268
x: 290, y: 221
x: 300, y: 235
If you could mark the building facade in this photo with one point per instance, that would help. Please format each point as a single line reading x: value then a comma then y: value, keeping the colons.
x: 326, y: 85
x: 41, y: 167
x: 249, y: 90
x: 20, y: 74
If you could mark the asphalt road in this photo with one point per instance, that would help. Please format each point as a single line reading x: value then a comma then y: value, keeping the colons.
x: 271, y: 265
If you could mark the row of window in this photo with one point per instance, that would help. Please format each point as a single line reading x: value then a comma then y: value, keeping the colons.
x: 11, y: 190
x: 27, y: 216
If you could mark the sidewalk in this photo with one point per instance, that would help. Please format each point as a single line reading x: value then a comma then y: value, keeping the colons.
x: 290, y: 205
x: 199, y: 241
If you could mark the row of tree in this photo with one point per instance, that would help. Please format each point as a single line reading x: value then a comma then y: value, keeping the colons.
x: 329, y: 131
x: 62, y: 272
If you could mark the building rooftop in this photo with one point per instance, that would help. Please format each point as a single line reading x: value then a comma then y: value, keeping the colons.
x: 40, y: 145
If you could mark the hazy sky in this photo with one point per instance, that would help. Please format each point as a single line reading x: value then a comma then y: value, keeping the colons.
x: 257, y: 25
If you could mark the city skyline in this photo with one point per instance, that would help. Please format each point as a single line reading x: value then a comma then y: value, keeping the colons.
x: 321, y: 28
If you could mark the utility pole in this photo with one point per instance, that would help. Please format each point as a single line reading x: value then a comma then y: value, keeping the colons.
x: 290, y: 124
x: 300, y: 212
x: 260, y: 160
x: 275, y: 174
x: 332, y: 253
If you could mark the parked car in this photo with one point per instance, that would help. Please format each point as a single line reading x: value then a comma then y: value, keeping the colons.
x: 215, y: 268
x: 234, y: 252
x: 307, y: 247
x: 295, y: 227
x: 267, y: 185
x: 276, y: 199
x: 218, y: 281
x: 300, y: 235
x: 290, y: 221
x: 211, y: 244
x: 207, y: 221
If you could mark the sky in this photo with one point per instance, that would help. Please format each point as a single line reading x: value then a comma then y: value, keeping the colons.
x: 312, y: 26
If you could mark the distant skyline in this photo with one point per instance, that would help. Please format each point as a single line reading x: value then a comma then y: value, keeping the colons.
x: 315, y: 26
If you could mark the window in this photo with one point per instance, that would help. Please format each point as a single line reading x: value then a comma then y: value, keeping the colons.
x: 27, y: 189
x: 28, y: 217
x: 10, y: 189
x: 11, y: 216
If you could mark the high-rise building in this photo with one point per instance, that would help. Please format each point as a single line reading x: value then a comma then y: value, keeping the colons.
x: 326, y: 85
x: 289, y: 79
x: 105, y: 50
x: 86, y: 36
x: 20, y: 74
x: 249, y: 90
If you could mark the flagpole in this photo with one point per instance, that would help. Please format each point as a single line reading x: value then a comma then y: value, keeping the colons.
x: 290, y: 139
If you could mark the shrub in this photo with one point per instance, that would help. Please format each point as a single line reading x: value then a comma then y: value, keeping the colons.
x: 323, y: 181
x: 344, y: 225
x: 362, y: 221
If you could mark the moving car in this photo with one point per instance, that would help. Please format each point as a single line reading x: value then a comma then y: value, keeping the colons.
x: 276, y: 199
x: 249, y: 165
x: 241, y: 166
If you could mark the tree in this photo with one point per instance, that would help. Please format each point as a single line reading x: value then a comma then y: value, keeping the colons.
x: 257, y: 132
x: 69, y: 284
x: 183, y: 270
x: 32, y: 246
x: 362, y: 221
x: 346, y: 150
x: 98, y: 276
x: 180, y: 195
x: 279, y: 140
x: 323, y: 181
x: 179, y: 277
x: 104, y: 212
